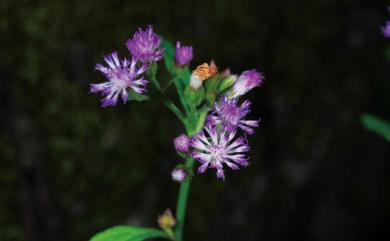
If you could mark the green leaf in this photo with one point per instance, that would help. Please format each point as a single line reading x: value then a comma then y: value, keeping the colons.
x: 181, y: 83
x: 128, y: 233
x: 169, y: 54
x: 180, y: 75
x: 377, y: 125
x: 184, y: 77
x: 137, y: 97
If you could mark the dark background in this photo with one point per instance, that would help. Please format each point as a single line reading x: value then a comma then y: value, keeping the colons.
x: 69, y: 168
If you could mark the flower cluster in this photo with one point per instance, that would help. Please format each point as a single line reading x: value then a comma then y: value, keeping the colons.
x: 216, y: 121
x: 211, y: 109
x: 219, y: 143
x: 124, y: 75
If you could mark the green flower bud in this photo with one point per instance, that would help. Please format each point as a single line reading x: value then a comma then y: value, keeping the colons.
x: 227, y: 83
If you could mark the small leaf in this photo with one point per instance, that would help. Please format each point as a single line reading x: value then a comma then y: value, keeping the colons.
x: 137, y: 97
x: 128, y: 233
x: 169, y: 53
x: 183, y: 80
x: 377, y: 125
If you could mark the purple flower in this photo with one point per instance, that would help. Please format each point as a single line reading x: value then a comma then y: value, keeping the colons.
x: 145, y: 45
x: 121, y: 75
x: 179, y: 174
x: 230, y: 115
x: 183, y: 54
x: 182, y: 143
x: 247, y: 81
x: 386, y: 29
x: 213, y: 148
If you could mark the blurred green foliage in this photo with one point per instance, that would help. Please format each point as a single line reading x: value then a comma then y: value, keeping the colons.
x: 126, y: 233
x: 377, y: 125
x: 70, y: 168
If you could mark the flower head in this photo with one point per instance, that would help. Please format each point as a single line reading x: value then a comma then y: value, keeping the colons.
x: 201, y: 73
x: 386, y: 29
x: 179, y: 174
x: 247, y: 81
x: 145, y: 45
x: 121, y: 75
x: 182, y: 143
x: 183, y: 54
x: 213, y: 148
x: 231, y: 116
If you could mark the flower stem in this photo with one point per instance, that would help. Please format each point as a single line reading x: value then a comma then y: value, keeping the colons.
x: 166, y: 101
x: 182, y: 203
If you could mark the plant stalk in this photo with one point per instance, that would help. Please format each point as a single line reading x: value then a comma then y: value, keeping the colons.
x: 182, y: 202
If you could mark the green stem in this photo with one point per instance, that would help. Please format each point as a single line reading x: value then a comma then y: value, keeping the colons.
x: 173, y: 108
x: 182, y: 203
x: 191, y: 129
x: 170, y: 83
x: 167, y: 101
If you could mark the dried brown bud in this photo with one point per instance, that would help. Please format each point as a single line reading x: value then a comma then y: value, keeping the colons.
x: 201, y: 73
x: 205, y: 71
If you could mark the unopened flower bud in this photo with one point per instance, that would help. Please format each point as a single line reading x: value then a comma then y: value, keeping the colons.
x: 227, y: 82
x: 179, y: 174
x: 182, y: 143
x: 213, y: 65
x: 183, y: 54
x: 226, y: 73
x: 247, y: 81
x: 166, y: 220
